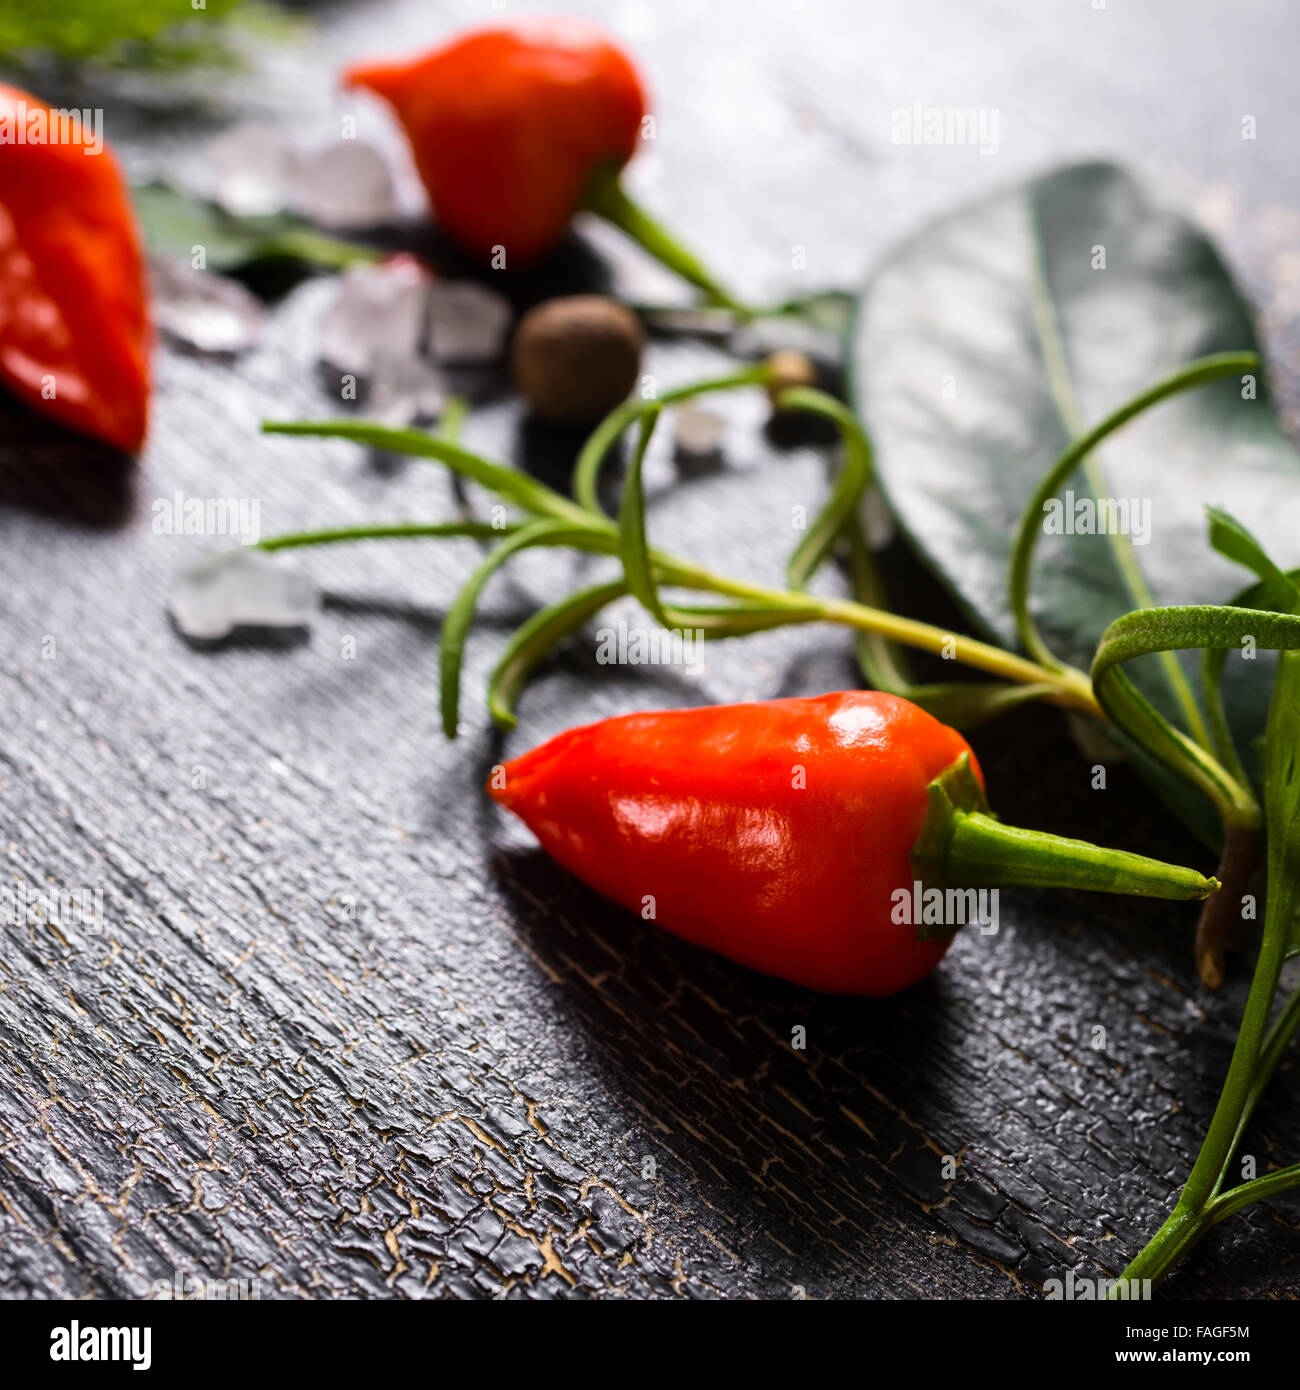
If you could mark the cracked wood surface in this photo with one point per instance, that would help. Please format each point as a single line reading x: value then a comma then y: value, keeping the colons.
x: 342, y: 1029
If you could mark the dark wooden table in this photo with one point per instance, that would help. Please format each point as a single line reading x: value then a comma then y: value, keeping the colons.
x: 346, y: 1032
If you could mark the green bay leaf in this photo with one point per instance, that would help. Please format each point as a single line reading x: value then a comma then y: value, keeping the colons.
x: 996, y: 335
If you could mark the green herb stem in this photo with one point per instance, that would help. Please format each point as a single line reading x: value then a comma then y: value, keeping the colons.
x: 591, y: 530
x: 1257, y: 1190
x: 586, y: 471
x: 1207, y: 626
x: 1194, y: 374
x: 607, y: 197
x: 1201, y: 1204
x: 1061, y: 386
x: 1281, y: 1031
x: 1258, y: 1047
x: 390, y: 531
x: 1068, y: 688
x: 1057, y: 687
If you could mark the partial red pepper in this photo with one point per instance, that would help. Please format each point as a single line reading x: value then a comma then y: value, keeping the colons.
x: 74, y: 328
x: 514, y: 129
x: 790, y: 835
x: 508, y: 127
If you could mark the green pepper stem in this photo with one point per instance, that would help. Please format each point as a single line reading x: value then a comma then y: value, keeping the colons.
x: 983, y: 852
x: 963, y: 845
x: 607, y: 197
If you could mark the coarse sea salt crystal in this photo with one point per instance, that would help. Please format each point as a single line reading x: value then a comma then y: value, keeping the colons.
x: 697, y: 432
x: 251, y: 166
x: 468, y: 323
x: 202, y: 310
x: 243, y: 588
x: 377, y: 310
x: 405, y: 390
x: 344, y: 185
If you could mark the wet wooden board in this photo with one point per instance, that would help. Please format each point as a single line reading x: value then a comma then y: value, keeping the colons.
x: 344, y: 1031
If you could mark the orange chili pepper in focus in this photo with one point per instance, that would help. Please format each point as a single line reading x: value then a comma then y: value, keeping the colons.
x: 509, y: 125
x: 799, y: 836
x: 74, y: 326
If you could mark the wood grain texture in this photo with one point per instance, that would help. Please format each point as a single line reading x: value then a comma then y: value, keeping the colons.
x: 343, y: 1030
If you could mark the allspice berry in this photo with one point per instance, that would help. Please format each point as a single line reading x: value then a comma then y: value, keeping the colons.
x: 788, y: 368
x: 576, y: 358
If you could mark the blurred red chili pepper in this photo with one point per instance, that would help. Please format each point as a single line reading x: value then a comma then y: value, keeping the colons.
x: 508, y: 127
x: 791, y: 835
x: 74, y: 329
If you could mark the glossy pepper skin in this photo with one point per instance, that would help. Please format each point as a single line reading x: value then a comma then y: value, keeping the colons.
x: 774, y: 833
x: 507, y: 126
x: 74, y: 327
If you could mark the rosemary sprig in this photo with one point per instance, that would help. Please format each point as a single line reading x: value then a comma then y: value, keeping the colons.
x: 553, y: 520
x: 1274, y: 625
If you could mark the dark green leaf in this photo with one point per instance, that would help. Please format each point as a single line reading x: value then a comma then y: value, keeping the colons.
x: 174, y: 223
x: 989, y: 341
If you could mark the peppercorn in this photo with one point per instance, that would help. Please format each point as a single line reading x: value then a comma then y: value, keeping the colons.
x: 788, y: 368
x: 576, y: 358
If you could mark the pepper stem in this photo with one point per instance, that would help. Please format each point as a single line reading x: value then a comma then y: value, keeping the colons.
x: 963, y: 845
x: 607, y: 197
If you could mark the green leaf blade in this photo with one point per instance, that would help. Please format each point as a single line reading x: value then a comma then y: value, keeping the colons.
x: 961, y: 346
x: 535, y: 638
x: 1230, y: 538
x: 510, y: 483
x: 633, y: 548
x: 174, y: 223
x: 460, y: 616
x: 850, y: 483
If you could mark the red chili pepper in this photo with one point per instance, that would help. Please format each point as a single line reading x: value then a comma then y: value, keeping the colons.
x: 509, y: 126
x: 74, y: 329
x: 791, y: 835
